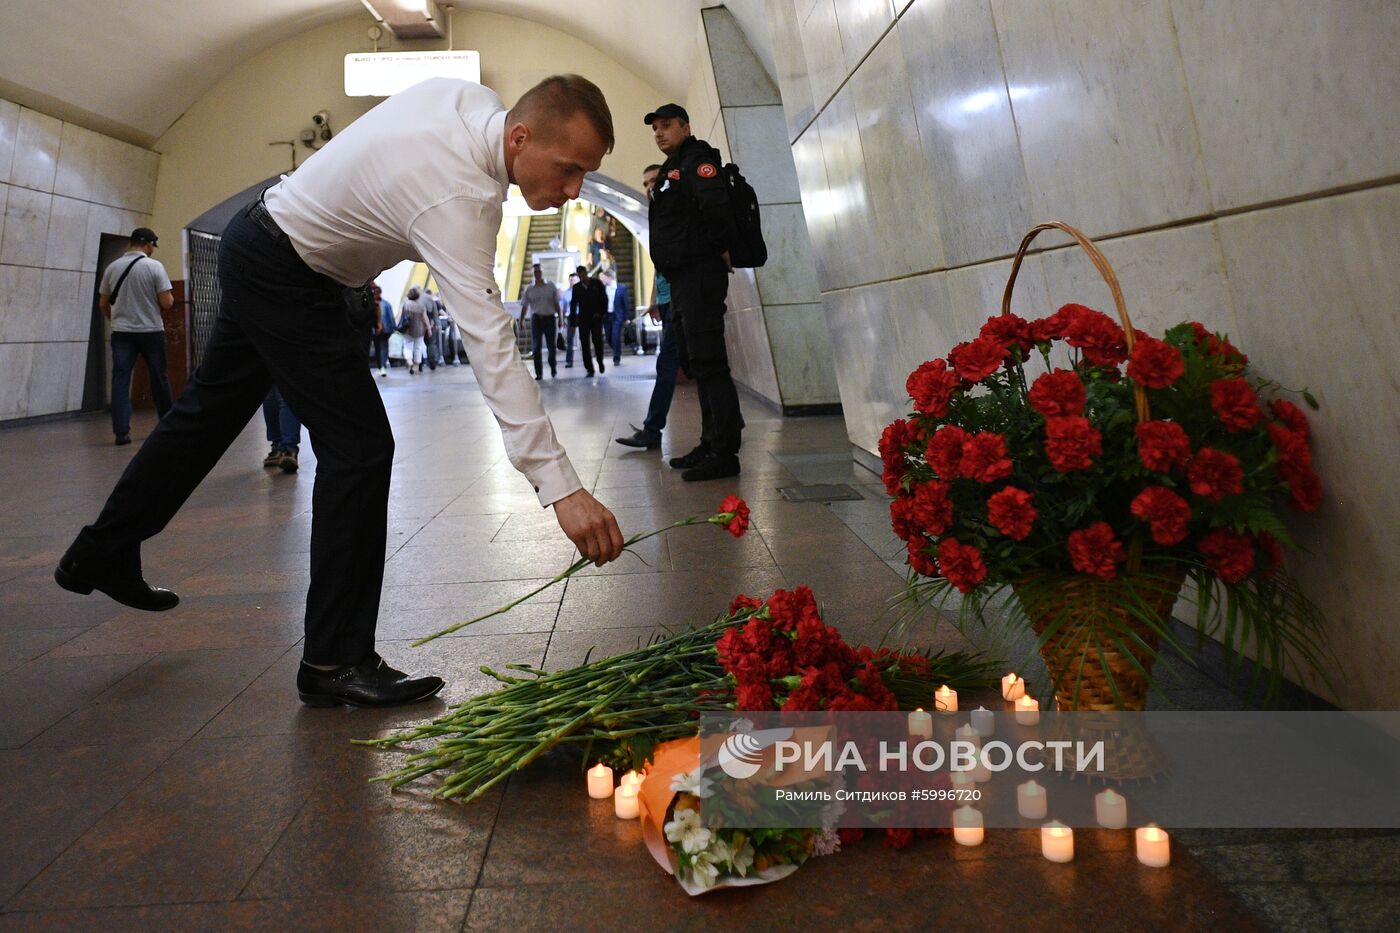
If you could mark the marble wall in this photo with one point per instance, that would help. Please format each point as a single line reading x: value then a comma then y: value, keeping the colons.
x: 1236, y: 160
x: 61, y: 188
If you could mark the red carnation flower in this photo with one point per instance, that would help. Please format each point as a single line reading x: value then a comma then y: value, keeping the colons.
x: 1053, y: 327
x: 1215, y: 474
x: 1163, y: 446
x: 742, y: 602
x: 1097, y: 335
x: 754, y: 697
x: 1009, y: 331
x: 1293, y: 449
x: 1235, y: 404
x: 1058, y: 394
x: 1273, y: 553
x: 1229, y: 554
x: 932, y: 508
x: 931, y: 386
x: 918, y: 558
x: 1166, y: 513
x: 902, y: 517
x: 984, y: 457
x: 1304, y: 486
x: 1094, y: 550
x: 1291, y: 415
x: 892, y: 442
x: 961, y: 564
x: 1155, y: 364
x: 898, y: 838
x: 944, y: 452
x: 733, y: 516
x: 977, y: 359
x: 1071, y: 443
x: 1010, y: 511
x: 1219, y: 349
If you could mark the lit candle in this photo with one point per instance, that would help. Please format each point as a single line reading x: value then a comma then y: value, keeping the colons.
x: 1031, y: 801
x: 945, y: 699
x: 967, y: 826
x: 600, y: 785
x: 1012, y: 687
x: 1057, y: 842
x: 921, y: 724
x: 625, y: 803
x: 633, y: 779
x: 965, y: 733
x: 1028, y: 711
x: 984, y: 721
x: 1153, y: 847
x: 1111, y: 809
x: 981, y: 774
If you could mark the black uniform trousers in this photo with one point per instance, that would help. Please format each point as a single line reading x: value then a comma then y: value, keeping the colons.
x: 590, y: 335
x: 697, y: 316
x: 278, y: 322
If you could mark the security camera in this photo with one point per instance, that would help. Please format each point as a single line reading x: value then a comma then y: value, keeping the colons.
x: 320, y: 117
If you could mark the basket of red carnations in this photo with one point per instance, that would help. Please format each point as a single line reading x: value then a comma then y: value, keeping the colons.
x: 1074, y: 496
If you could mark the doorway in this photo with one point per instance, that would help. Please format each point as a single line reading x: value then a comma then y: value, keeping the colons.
x: 95, y: 378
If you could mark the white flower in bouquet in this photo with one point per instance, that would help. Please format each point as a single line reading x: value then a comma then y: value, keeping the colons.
x: 687, y: 830
x: 826, y: 842
x: 694, y: 783
x: 704, y: 869
x: 742, y: 860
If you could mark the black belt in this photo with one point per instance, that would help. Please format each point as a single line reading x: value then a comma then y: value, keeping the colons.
x: 259, y: 215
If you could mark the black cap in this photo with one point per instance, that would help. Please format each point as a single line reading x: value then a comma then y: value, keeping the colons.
x: 581, y: 272
x: 144, y: 235
x: 666, y: 111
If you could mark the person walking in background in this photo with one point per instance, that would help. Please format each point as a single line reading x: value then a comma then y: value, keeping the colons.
x: 387, y: 326
x: 622, y: 315
x: 283, y: 432
x: 566, y: 308
x: 648, y: 436
x: 135, y: 290
x: 590, y: 304
x: 541, y: 300
x: 413, y: 321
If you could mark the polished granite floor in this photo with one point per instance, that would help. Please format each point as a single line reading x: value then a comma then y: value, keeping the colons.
x: 157, y: 771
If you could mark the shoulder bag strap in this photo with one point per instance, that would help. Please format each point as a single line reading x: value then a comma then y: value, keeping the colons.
x: 118, y: 287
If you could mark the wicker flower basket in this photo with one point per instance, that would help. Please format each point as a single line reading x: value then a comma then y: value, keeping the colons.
x: 1098, y: 654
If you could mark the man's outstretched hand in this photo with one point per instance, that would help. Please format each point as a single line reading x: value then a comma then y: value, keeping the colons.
x: 591, y: 527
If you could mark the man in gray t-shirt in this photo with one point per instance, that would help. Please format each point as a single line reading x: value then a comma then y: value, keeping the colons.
x: 135, y: 290
x: 541, y: 299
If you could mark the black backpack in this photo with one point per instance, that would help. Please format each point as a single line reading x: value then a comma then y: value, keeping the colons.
x: 748, y: 250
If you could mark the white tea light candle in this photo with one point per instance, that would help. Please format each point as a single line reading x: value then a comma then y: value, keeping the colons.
x: 600, y: 781
x: 984, y: 721
x: 1153, y: 847
x: 1028, y: 711
x: 945, y: 699
x: 1012, y: 687
x: 1111, y: 809
x: 625, y: 802
x: 1031, y: 801
x: 981, y: 774
x: 1057, y: 842
x: 633, y: 779
x: 921, y: 724
x: 965, y: 733
x: 967, y: 826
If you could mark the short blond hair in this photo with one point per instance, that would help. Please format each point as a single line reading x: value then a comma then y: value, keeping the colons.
x: 547, y: 105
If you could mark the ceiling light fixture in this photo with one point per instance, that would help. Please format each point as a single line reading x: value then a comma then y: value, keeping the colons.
x: 408, y: 19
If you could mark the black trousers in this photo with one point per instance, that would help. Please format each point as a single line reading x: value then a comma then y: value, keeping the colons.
x: 697, y: 316
x: 279, y: 322
x: 590, y: 335
x: 542, y: 331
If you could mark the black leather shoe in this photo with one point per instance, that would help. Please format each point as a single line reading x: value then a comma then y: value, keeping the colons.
x: 717, y: 467
x: 696, y: 457
x: 128, y: 589
x: 123, y: 440
x: 641, y: 438
x: 367, y: 684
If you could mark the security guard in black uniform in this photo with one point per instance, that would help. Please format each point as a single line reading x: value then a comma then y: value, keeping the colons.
x: 692, y: 227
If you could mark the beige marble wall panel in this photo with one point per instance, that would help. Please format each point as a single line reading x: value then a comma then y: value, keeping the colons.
x: 791, y: 62
x: 821, y: 44
x: 64, y: 307
x: 51, y: 376
x: 908, y: 239
x: 77, y: 155
x: 9, y: 131
x: 740, y: 78
x: 1292, y: 96
x: 1103, y: 113
x: 885, y: 384
x: 104, y: 219
x: 133, y: 172
x: 26, y: 227
x: 968, y: 136
x: 918, y: 307
x: 20, y: 296
x: 862, y: 23
x: 1316, y: 291
x: 789, y: 276
x: 810, y: 163
x: 743, y: 291
x: 1168, y: 276
x: 16, y: 360
x: 67, y: 229
x: 36, y: 150
x: 758, y: 143
x: 843, y: 310
x: 805, y: 371
x: 859, y: 253
x: 750, y: 359
x: 4, y: 203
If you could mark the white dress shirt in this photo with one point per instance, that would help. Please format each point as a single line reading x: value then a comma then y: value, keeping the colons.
x: 423, y: 176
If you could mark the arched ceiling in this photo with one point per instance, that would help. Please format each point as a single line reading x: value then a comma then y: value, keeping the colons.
x: 131, y: 69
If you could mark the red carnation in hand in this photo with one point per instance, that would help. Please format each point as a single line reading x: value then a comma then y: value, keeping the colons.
x: 1094, y: 550
x: 1235, y: 404
x: 1291, y: 415
x: 1058, y: 394
x: 1228, y: 553
x: 1215, y: 474
x: 1097, y: 335
x: 932, y: 510
x: 931, y: 386
x: 1010, y: 511
x: 984, y: 457
x: 1273, y: 553
x: 1071, y: 443
x: 977, y: 359
x: 892, y: 442
x: 1009, y: 331
x: 1166, y: 513
x: 918, y: 557
x: 944, y: 452
x: 1155, y: 364
x: 1163, y: 446
x: 1053, y: 327
x: 733, y: 516
x: 961, y: 564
